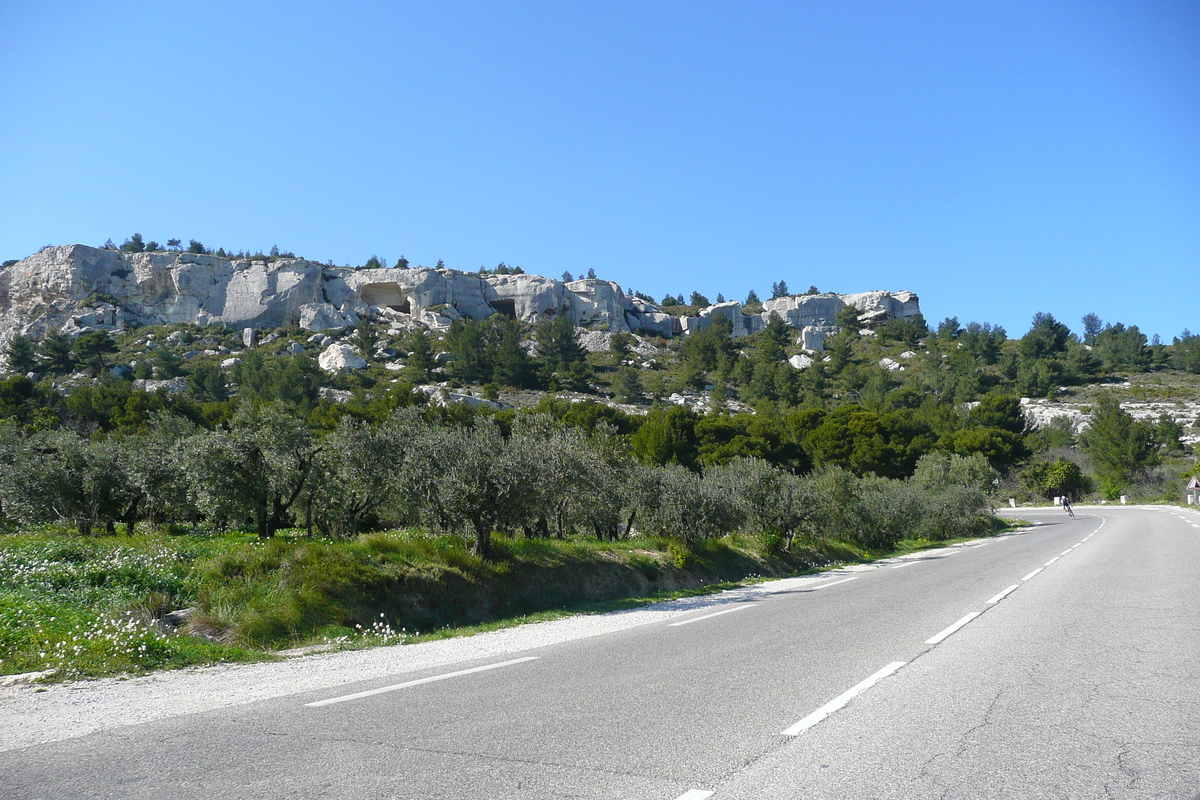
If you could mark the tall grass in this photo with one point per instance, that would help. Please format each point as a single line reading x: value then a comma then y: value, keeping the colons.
x: 88, y: 606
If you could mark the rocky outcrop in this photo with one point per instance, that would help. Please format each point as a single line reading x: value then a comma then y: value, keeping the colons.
x: 339, y: 357
x: 76, y: 288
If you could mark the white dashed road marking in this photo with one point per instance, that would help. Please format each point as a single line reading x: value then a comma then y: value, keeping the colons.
x: 714, y: 614
x: 418, y: 682
x: 1030, y: 575
x: 842, y: 699
x: 941, y: 636
x: 835, y: 583
x: 1002, y: 594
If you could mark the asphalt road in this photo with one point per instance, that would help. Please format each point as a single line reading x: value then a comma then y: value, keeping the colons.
x: 1073, y: 674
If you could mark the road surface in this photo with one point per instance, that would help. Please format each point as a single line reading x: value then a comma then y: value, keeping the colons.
x: 1061, y: 661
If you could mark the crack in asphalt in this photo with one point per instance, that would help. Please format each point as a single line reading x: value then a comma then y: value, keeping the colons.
x: 987, y: 720
x: 499, y: 759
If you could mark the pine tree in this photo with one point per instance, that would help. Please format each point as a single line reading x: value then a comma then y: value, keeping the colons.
x: 365, y: 339
x: 627, y: 386
x: 91, y: 349
x: 55, y: 354
x: 22, y: 354
x: 511, y: 364
x: 1119, y: 445
x: 420, y: 356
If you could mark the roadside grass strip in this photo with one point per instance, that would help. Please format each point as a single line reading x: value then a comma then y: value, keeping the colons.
x: 1003, y: 593
x: 714, y: 614
x: 949, y: 631
x: 407, y: 684
x: 841, y: 700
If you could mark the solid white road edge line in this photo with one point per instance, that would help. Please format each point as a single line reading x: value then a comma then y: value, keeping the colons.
x: 714, y: 614
x: 418, y: 682
x: 1030, y: 575
x: 906, y: 564
x: 695, y: 794
x: 835, y: 583
x: 953, y: 628
x: 1002, y: 594
x: 842, y: 699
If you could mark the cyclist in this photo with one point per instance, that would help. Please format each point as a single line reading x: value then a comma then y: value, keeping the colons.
x: 1066, y: 504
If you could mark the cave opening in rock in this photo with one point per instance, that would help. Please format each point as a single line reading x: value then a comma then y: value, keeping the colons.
x: 506, y: 307
x: 387, y: 295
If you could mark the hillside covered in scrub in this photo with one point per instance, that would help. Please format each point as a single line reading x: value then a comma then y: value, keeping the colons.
x: 411, y: 460
x: 817, y: 382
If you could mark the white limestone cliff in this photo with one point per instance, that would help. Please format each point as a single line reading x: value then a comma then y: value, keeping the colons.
x: 76, y: 288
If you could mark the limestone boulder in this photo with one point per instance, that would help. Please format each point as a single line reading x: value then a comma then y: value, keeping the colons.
x: 340, y: 357
x: 813, y: 337
x: 800, y: 361
x: 324, y: 316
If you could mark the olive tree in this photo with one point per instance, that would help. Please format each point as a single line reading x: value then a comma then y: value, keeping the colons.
x: 360, y: 471
x: 58, y: 475
x: 681, y: 504
x: 604, y: 503
x: 257, y: 468
x: 471, y: 478
x: 157, y: 468
x: 767, y: 497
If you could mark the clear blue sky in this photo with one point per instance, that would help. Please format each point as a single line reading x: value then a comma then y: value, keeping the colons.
x: 996, y: 158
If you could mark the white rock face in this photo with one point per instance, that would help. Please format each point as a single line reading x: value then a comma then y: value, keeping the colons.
x: 880, y: 306
x: 338, y: 357
x: 530, y: 298
x: 47, y: 291
x: 594, y: 302
x: 805, y: 310
x: 743, y: 324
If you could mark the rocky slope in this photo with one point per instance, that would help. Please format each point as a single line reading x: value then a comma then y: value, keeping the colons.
x: 76, y: 288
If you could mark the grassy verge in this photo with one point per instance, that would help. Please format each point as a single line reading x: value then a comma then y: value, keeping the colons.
x: 89, y: 607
